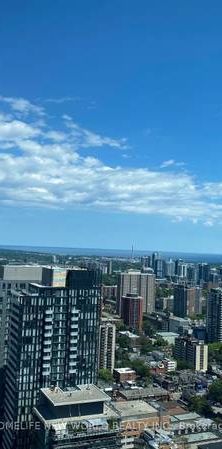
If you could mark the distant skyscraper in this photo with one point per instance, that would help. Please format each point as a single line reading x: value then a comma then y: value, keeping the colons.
x: 137, y: 283
x: 146, y: 261
x: 107, y: 346
x: 154, y: 257
x: 198, y: 301
x: 169, y: 267
x: 214, y: 278
x: 214, y: 315
x: 159, y: 268
x: 191, y: 274
x: 110, y: 266
x: 203, y: 272
x: 177, y: 263
x: 184, y: 300
x: 182, y: 270
x: 52, y: 336
x: 132, y: 311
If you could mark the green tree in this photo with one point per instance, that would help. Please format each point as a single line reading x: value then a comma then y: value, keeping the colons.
x: 109, y: 279
x: 106, y: 375
x: 215, y: 391
x: 122, y: 341
x: 215, y: 352
x: 141, y: 369
x: 145, y: 345
x: 120, y: 326
x: 201, y: 406
x: 147, y: 328
x: 160, y: 342
x: 164, y: 292
x: 183, y: 364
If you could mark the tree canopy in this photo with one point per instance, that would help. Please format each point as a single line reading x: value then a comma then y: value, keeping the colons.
x: 105, y: 375
x: 215, y: 391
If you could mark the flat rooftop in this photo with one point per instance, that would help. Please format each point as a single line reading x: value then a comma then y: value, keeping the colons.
x: 212, y: 445
x: 82, y: 394
x: 201, y: 436
x: 167, y: 334
x: 139, y: 393
x: 129, y: 334
x: 134, y: 409
x: 186, y: 417
x: 35, y: 284
x: 124, y: 370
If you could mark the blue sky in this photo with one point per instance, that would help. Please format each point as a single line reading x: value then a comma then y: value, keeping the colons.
x: 110, y: 124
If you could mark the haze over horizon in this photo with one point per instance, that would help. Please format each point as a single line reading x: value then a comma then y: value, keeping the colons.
x: 110, y: 124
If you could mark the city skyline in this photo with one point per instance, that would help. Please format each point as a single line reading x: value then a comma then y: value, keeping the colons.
x: 110, y: 131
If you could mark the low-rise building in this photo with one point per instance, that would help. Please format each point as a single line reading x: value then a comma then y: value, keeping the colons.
x: 212, y: 445
x: 179, y: 325
x: 124, y: 374
x: 170, y: 365
x: 158, y: 439
x: 80, y: 418
x: 147, y: 393
x: 134, y: 339
x: 169, y: 337
x: 135, y: 417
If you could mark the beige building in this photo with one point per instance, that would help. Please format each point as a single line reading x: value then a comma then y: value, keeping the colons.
x: 135, y: 417
x: 193, y: 352
x: 141, y: 284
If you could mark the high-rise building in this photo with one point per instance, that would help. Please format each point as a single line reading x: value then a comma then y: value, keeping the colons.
x: 52, y: 336
x: 137, y: 283
x: 11, y: 277
x: 184, y: 300
x: 182, y: 270
x: 132, y: 311
x: 110, y: 266
x: 214, y: 315
x: 203, y: 272
x: 198, y: 301
x: 192, y: 351
x: 213, y: 278
x: 169, y: 267
x: 107, y: 345
x: 109, y: 292
x: 86, y: 287
x: 159, y: 268
x: 154, y: 257
x: 146, y: 261
x: 191, y: 274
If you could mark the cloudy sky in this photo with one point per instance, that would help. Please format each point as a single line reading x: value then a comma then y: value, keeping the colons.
x: 110, y: 124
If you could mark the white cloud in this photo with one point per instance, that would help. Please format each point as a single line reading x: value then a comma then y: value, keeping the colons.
x: 62, y: 100
x: 171, y: 162
x: 16, y: 129
x: 86, y: 139
x: 44, y: 167
x: 23, y: 106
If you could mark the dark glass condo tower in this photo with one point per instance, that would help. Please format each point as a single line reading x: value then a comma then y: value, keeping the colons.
x: 52, y: 336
